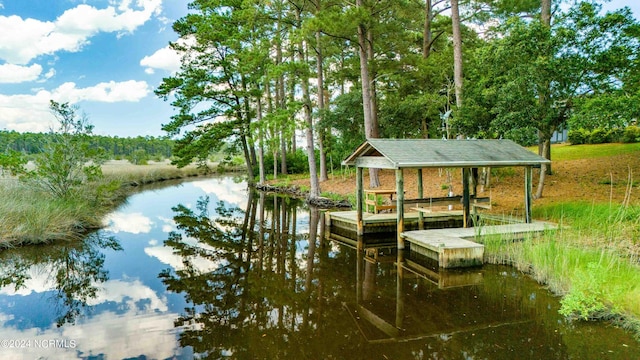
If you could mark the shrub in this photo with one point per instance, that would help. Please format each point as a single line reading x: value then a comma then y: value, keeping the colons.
x: 297, y: 163
x: 631, y: 134
x: 67, y: 160
x: 598, y: 136
x: 615, y: 135
x: 578, y: 137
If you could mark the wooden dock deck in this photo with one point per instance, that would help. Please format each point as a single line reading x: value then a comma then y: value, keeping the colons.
x: 387, y: 222
x: 452, y: 247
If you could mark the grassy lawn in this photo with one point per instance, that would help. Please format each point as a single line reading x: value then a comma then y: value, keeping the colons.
x: 562, y: 152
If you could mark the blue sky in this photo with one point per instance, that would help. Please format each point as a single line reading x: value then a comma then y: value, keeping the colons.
x: 106, y: 56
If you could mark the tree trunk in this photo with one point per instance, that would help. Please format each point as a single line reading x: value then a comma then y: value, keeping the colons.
x: 545, y: 18
x: 545, y: 12
x: 263, y: 178
x: 370, y: 123
x: 457, y: 52
x: 427, y: 34
x: 314, y: 191
x: 546, y: 150
x: 321, y: 105
x: 280, y: 100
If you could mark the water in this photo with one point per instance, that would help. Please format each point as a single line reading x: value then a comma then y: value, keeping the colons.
x: 188, y: 271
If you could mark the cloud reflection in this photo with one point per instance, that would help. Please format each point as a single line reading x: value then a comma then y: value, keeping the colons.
x: 145, y: 327
x: 134, y: 223
x: 225, y: 189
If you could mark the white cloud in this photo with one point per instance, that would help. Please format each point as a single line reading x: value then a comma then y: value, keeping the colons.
x: 51, y: 73
x: 134, y: 223
x: 30, y: 112
x: 21, y: 40
x: 13, y: 74
x: 109, y: 92
x: 166, y: 58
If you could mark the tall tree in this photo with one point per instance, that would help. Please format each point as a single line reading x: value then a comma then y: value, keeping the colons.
x: 365, y: 48
x: 215, y: 84
x: 457, y: 52
x: 303, y: 75
x: 533, y: 75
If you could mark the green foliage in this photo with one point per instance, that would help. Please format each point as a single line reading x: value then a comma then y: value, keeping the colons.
x: 591, y: 261
x: 67, y: 160
x: 525, y: 136
x: 297, y: 162
x: 631, y: 134
x: 609, y: 110
x: 12, y: 162
x: 115, y: 147
x: 590, y: 152
x: 532, y: 75
x: 578, y: 136
x: 602, y: 136
x: 598, y: 136
x: 139, y: 157
x: 614, y: 135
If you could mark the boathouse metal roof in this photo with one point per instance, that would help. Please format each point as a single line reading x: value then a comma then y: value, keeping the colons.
x: 425, y: 153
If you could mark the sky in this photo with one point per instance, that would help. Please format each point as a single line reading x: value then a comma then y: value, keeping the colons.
x: 105, y: 56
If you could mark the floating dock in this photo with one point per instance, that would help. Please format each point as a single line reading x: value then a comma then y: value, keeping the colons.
x: 452, y: 248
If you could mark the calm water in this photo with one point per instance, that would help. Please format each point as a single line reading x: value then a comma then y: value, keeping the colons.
x: 206, y: 269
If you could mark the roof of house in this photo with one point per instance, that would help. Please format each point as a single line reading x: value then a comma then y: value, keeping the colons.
x: 425, y: 153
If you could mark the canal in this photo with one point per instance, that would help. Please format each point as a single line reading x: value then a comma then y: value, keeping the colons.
x: 208, y: 269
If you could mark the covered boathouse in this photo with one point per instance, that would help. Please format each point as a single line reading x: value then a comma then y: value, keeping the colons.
x: 418, y: 154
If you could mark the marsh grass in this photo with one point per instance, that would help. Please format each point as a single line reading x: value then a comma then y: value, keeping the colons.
x: 29, y: 215
x: 128, y: 174
x: 592, y: 261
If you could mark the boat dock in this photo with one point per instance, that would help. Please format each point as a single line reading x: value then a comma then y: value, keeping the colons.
x: 453, y: 248
x: 387, y: 222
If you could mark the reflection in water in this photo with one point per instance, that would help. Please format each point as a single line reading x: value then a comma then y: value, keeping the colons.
x: 281, y: 290
x: 258, y: 278
x: 73, y: 270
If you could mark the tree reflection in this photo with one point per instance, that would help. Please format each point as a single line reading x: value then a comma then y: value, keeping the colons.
x: 260, y: 284
x: 263, y: 295
x: 74, y: 271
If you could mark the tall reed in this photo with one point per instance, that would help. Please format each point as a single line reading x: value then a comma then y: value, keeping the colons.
x: 593, y: 260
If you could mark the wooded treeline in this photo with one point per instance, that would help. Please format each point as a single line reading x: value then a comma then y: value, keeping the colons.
x: 259, y: 74
x: 113, y: 146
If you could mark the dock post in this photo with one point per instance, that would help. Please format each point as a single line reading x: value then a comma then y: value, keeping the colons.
x: 420, y: 195
x: 527, y: 193
x: 359, y: 201
x: 465, y: 198
x: 400, y: 207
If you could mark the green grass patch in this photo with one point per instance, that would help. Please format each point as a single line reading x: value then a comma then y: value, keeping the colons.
x: 575, y: 152
x: 593, y: 261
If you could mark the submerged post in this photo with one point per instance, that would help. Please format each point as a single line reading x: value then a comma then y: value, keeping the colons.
x: 359, y: 195
x: 527, y: 193
x: 400, y: 207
